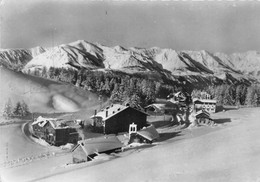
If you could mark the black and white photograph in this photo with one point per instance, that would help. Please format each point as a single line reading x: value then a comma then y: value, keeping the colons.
x: 129, y: 91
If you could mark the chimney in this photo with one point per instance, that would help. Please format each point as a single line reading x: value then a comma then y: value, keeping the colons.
x: 95, y: 112
x: 106, y: 113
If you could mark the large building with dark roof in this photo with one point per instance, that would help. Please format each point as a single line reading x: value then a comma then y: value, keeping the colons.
x: 117, y: 118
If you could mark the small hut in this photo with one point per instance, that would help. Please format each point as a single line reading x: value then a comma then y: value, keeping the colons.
x: 203, y: 118
x: 145, y: 135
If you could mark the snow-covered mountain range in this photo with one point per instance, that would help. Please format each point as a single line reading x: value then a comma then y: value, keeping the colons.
x: 194, y: 66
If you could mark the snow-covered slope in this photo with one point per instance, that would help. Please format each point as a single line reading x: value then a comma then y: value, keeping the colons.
x: 14, y: 58
x: 193, y: 65
x: 43, y: 95
x: 248, y: 62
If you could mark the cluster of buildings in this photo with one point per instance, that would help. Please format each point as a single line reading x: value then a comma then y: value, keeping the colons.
x: 178, y: 101
x: 111, y: 121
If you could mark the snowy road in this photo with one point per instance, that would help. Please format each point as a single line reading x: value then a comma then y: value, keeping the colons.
x: 16, y: 148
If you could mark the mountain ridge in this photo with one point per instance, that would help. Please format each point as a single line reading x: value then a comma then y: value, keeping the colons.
x: 194, y: 66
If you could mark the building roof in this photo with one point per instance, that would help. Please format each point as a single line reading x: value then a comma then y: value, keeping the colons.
x: 165, y: 106
x: 208, y: 100
x: 55, y: 123
x: 202, y: 113
x: 178, y: 97
x: 150, y: 133
x: 99, y: 144
x: 205, y: 100
x: 112, y: 110
x: 197, y: 100
x: 157, y: 107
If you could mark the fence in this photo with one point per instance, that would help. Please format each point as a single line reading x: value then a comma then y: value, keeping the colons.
x: 28, y: 159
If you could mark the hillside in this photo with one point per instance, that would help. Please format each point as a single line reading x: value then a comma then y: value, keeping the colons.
x: 43, y: 95
x: 197, y: 67
x: 17, y: 58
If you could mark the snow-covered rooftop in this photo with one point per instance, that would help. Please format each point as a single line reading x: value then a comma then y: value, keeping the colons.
x: 203, y: 112
x: 110, y: 111
x: 55, y: 122
x: 99, y: 144
x: 149, y: 133
x: 205, y: 100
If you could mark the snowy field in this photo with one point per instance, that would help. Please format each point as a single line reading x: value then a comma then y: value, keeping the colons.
x: 229, y: 151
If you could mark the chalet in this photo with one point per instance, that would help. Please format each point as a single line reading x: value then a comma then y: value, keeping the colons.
x: 155, y: 108
x: 85, y: 150
x: 145, y: 135
x: 203, y: 118
x: 208, y: 105
x: 55, y: 131
x: 205, y: 102
x: 183, y: 99
x: 177, y: 97
x: 117, y: 118
x: 162, y: 108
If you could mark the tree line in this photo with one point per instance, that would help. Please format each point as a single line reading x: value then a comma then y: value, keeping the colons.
x: 118, y: 86
x: 139, y: 90
x: 19, y: 110
x: 235, y: 95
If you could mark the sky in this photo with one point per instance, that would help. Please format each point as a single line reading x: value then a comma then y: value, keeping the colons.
x: 183, y: 25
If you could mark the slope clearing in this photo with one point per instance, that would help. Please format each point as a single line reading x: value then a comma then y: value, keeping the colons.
x: 43, y: 95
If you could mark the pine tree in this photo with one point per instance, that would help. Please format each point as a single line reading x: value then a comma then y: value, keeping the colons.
x: 115, y: 95
x: 25, y: 109
x: 106, y: 87
x: 51, y: 72
x: 232, y: 92
x: 18, y: 111
x: 143, y: 87
x: 249, y: 96
x: 227, y: 99
x: 255, y: 101
x: 8, y: 109
x: 239, y: 90
x: 135, y: 100
x: 157, y: 88
x: 243, y: 95
x: 219, y: 94
x: 44, y: 72
x: 150, y: 93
